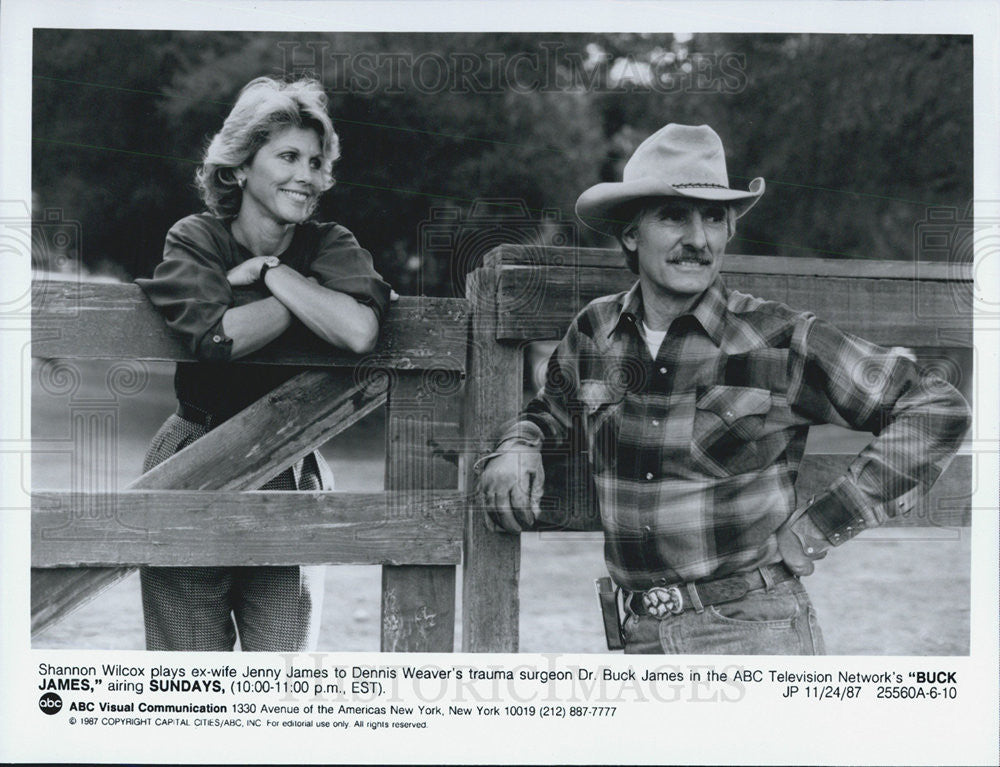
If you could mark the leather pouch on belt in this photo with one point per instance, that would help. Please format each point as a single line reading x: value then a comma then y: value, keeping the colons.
x: 609, y: 612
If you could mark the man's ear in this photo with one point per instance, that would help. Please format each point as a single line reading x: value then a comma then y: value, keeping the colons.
x: 629, y: 238
x: 730, y: 222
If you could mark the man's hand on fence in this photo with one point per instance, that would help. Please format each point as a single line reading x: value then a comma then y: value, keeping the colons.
x: 510, y: 488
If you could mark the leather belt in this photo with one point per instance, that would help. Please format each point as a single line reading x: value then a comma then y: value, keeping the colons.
x: 196, y: 415
x: 663, y: 601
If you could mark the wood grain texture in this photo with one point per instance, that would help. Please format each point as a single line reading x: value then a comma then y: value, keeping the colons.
x: 284, y: 425
x: 538, y: 304
x: 490, y: 601
x: 522, y: 294
x: 418, y: 602
x: 57, y: 592
x: 611, y: 258
x: 76, y: 320
x: 570, y: 506
x: 169, y: 528
x: 274, y: 432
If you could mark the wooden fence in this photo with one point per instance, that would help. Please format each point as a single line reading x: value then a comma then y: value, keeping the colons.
x: 422, y: 526
x: 521, y: 295
x: 184, y: 511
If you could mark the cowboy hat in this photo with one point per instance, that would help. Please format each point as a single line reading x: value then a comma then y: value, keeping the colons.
x: 676, y: 161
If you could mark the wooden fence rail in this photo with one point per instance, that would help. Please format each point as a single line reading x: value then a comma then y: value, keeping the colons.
x: 527, y: 294
x: 539, y: 290
x: 424, y: 524
x: 254, y: 528
x: 74, y: 320
x: 423, y: 340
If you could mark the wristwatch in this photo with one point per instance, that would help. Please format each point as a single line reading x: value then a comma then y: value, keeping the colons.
x: 260, y: 277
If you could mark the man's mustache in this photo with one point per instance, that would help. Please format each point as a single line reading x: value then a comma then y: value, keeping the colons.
x: 699, y: 257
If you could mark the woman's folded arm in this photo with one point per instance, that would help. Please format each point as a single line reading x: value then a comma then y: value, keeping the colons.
x: 336, y: 317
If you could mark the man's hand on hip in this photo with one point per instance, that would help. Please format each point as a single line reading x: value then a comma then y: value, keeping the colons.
x: 510, y: 488
x: 800, y: 543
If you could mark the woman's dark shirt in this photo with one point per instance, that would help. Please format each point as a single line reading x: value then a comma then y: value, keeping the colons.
x: 190, y: 289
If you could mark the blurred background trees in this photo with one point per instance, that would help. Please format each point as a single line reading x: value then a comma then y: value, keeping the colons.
x: 857, y: 135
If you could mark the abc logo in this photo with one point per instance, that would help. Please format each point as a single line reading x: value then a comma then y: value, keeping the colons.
x: 50, y: 703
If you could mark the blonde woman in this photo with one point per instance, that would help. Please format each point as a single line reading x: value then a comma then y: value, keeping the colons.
x: 260, y: 179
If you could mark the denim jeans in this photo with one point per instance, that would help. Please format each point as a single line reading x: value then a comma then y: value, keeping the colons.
x: 779, y: 620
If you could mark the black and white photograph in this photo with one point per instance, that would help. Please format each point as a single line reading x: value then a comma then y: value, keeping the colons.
x: 837, y: 199
x: 499, y: 356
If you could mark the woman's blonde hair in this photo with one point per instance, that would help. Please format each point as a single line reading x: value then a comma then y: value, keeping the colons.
x: 264, y: 107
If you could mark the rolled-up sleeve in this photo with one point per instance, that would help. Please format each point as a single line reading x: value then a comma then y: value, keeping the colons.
x: 190, y: 289
x: 919, y: 421
x: 344, y: 266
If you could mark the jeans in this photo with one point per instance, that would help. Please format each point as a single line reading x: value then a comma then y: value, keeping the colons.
x: 779, y: 620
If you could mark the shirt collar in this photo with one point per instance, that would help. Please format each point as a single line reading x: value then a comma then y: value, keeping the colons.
x: 710, y: 310
x: 631, y: 311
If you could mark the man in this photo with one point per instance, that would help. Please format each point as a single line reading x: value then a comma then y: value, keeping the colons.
x: 695, y: 403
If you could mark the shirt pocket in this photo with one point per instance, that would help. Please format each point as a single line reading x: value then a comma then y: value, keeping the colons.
x: 602, y: 409
x: 727, y: 422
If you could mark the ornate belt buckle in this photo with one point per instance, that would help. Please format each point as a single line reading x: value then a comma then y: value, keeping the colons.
x: 662, y: 601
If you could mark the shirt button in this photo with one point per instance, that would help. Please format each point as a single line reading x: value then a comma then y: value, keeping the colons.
x: 217, y: 339
x: 649, y: 475
x: 655, y: 422
x: 663, y: 371
x: 729, y: 414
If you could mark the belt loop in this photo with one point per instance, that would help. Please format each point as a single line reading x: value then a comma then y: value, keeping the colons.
x: 692, y: 591
x: 626, y: 597
x: 195, y: 415
x: 765, y: 575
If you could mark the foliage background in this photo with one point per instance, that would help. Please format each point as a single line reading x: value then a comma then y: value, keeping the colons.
x: 857, y: 135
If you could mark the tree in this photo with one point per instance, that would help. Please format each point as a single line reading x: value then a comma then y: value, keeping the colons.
x: 856, y: 135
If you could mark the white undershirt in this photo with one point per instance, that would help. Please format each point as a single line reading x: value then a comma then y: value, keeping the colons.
x: 653, y: 339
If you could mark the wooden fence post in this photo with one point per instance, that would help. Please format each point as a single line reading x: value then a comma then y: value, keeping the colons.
x: 420, y: 334
x: 418, y: 602
x: 491, y: 567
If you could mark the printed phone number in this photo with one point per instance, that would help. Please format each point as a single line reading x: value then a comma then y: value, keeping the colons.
x: 561, y: 712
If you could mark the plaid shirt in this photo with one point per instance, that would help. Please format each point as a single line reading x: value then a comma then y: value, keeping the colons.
x: 695, y: 453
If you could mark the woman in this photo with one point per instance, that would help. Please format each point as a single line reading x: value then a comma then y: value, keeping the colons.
x: 261, y: 178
